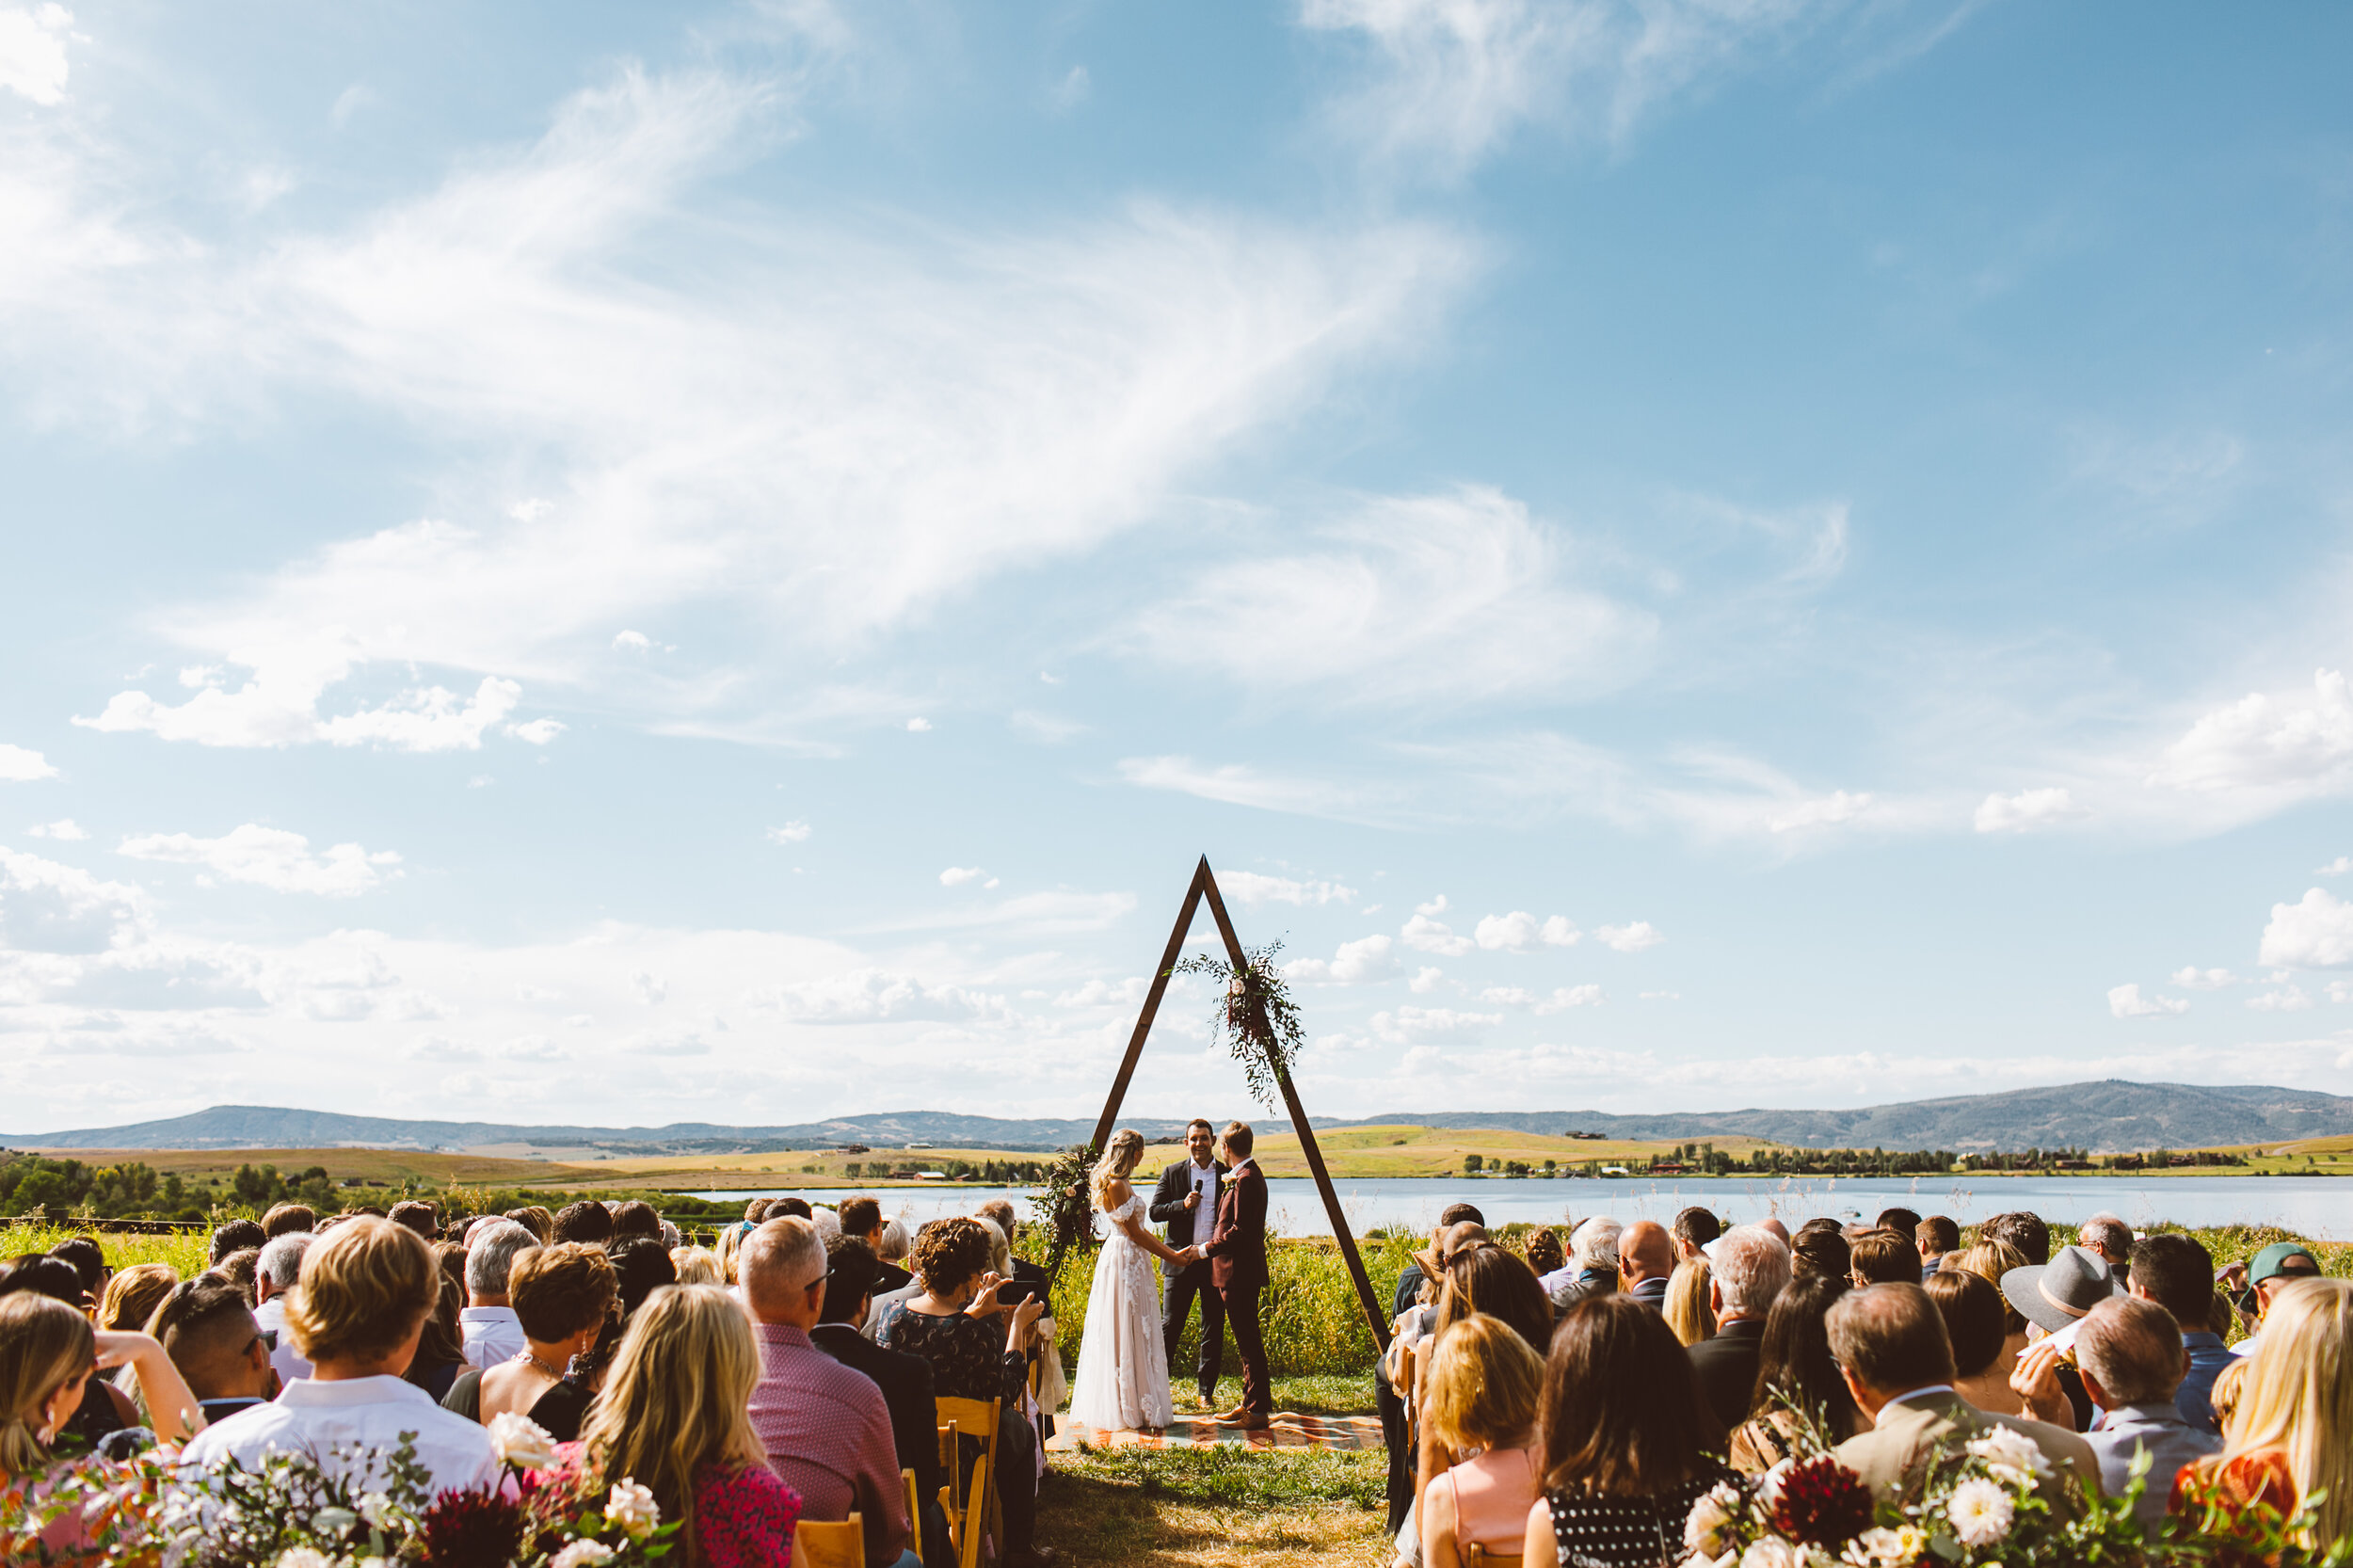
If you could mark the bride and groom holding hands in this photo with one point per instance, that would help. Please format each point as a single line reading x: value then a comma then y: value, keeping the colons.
x: 1214, y: 1251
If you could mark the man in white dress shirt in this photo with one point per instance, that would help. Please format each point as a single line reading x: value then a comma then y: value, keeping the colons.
x: 1185, y: 1202
x: 274, y: 1274
x: 356, y: 1314
x: 493, y: 1333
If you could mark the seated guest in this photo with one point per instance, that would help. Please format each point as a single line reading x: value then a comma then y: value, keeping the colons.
x: 952, y: 1324
x: 1935, y: 1235
x: 641, y: 1266
x: 2027, y: 1232
x: 2131, y: 1355
x: 2055, y: 1296
x: 1396, y: 1426
x: 1795, y: 1373
x: 1883, y: 1258
x: 886, y: 1300
x: 825, y: 1428
x: 636, y: 1218
x: 1420, y: 1319
x: 862, y: 1217
x: 285, y: 1219
x: 789, y: 1209
x: 241, y: 1269
x: 905, y: 1381
x: 2223, y: 1397
x: 1647, y: 1256
x: 2290, y: 1439
x: 1972, y: 1310
x: 2111, y: 1239
x: 697, y: 1266
x: 442, y: 1351
x: 355, y: 1314
x: 1687, y: 1308
x: 1410, y: 1281
x: 1592, y: 1266
x: 1693, y: 1229
x: 563, y: 1295
x: 536, y: 1219
x: 1544, y: 1252
x: 418, y: 1216
x: 104, y: 1408
x: 133, y: 1295
x: 1902, y: 1220
x: 1991, y: 1261
x: 274, y: 1274
x: 1890, y: 1346
x: 897, y: 1243
x: 235, y: 1235
x: 1821, y: 1250
x: 674, y: 1419
x: 1750, y: 1270
x: 755, y: 1210
x: 88, y: 1259
x: 584, y: 1221
x: 1488, y: 1278
x: 2268, y: 1272
x: 2177, y: 1272
x: 1479, y: 1414
x: 1053, y: 1387
x: 492, y: 1333
x: 209, y: 1333
x: 1625, y: 1438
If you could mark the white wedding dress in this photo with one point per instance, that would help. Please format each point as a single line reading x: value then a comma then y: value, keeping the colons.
x: 1122, y: 1365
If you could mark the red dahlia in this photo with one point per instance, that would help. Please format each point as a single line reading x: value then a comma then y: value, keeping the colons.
x: 472, y: 1529
x: 1821, y: 1503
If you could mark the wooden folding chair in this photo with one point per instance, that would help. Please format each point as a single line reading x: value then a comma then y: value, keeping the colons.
x: 1477, y: 1555
x: 829, y: 1545
x: 915, y: 1514
x: 977, y: 1520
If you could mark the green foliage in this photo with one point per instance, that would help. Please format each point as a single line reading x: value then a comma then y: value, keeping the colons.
x: 1063, y: 1202
x: 58, y: 1187
x: 1254, y: 1017
x: 1234, y: 1476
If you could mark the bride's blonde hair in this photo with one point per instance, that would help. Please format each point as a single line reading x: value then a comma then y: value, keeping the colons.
x: 1124, y: 1154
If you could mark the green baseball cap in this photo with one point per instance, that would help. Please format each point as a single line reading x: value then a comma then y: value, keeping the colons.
x: 2272, y: 1261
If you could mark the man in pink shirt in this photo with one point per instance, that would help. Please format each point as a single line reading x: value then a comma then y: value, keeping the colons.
x: 825, y: 1427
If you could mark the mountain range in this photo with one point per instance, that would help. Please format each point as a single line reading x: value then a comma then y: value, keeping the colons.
x: 2107, y: 1116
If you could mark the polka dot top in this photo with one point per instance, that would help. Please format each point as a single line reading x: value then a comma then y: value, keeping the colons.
x: 1625, y: 1532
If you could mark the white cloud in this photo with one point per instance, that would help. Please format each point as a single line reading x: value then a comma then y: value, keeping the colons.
x: 1632, y: 937
x: 1428, y: 935
x: 2125, y: 1002
x: 1454, y: 598
x: 794, y: 832
x: 878, y: 996
x: 269, y: 857
x: 629, y: 642
x: 1045, y: 729
x: 33, y: 61
x: 2287, y: 998
x: 64, y: 828
x: 919, y: 725
x: 956, y: 876
x: 1358, y: 963
x: 2338, y: 866
x: 1567, y: 997
x: 1253, y: 889
x: 2293, y: 741
x: 2315, y: 932
x: 1829, y: 811
x: 278, y: 706
x: 1425, y: 980
x: 1236, y: 784
x: 2192, y: 978
x: 1662, y: 996
x: 667, y: 1043
x: 439, y: 1048
x: 1413, y: 1025
x: 2026, y: 810
x: 537, y: 732
x: 1508, y: 996
x: 1520, y: 932
x: 20, y: 766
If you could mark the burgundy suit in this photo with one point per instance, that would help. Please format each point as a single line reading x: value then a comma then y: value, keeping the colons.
x: 1237, y: 1252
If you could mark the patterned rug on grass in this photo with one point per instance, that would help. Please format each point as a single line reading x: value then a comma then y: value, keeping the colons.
x: 1288, y: 1430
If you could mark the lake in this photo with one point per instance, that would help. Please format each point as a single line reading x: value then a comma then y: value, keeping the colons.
x: 2317, y: 1207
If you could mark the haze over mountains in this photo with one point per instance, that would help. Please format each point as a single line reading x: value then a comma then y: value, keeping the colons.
x: 2107, y: 1116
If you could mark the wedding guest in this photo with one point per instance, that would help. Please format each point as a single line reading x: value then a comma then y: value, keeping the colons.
x: 563, y: 1295
x: 2266, y: 1274
x: 1935, y: 1235
x: 275, y: 1273
x: 1624, y: 1438
x: 1883, y: 1258
x: 1544, y: 1252
x: 697, y: 1266
x: 418, y: 1216
x: 905, y: 1382
x: 285, y: 1219
x: 1972, y: 1310
x: 88, y: 1259
x: 442, y: 1349
x: 209, y: 1333
x: 2027, y: 1232
x: 1478, y: 1410
x: 355, y: 1314
x: 1487, y: 1277
x: 789, y: 1208
x: 1821, y: 1250
x: 1902, y: 1220
x: 2223, y: 1397
x: 2290, y: 1439
x: 1991, y: 1261
x: 862, y: 1216
x: 1406, y: 1308
x: 2177, y: 1272
x: 1647, y: 1256
x: 1592, y: 1266
x: 637, y: 1218
x: 1796, y: 1372
x: 2132, y: 1359
x: 2108, y: 1236
x: 1693, y: 1229
x: 641, y: 1266
x: 536, y: 1219
x: 491, y: 1331
x: 584, y: 1221
x: 897, y: 1242
x: 241, y: 1269
x: 1750, y: 1270
x: 1410, y: 1281
x: 1686, y: 1307
x: 2055, y: 1296
x: 133, y: 1295
x: 235, y: 1236
x: 675, y: 1418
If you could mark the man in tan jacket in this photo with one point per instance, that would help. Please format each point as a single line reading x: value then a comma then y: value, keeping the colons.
x: 1890, y: 1346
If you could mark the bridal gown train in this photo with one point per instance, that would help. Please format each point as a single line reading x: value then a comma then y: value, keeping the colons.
x: 1122, y: 1365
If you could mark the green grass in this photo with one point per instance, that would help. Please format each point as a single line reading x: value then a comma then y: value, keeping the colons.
x: 1217, y: 1506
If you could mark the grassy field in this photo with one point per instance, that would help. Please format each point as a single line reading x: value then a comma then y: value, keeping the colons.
x: 1218, y: 1507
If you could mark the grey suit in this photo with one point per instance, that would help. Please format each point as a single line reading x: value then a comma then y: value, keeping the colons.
x: 1892, y: 1455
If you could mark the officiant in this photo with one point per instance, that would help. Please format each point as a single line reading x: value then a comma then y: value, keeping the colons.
x: 1185, y: 1207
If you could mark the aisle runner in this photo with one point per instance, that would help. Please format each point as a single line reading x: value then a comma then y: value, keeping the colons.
x: 1289, y: 1431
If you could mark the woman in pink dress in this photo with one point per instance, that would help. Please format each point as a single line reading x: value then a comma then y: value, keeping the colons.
x: 1479, y: 1405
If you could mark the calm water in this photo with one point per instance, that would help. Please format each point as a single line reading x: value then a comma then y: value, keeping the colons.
x: 2319, y: 1206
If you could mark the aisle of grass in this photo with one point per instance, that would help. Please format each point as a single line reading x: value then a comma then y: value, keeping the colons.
x: 1216, y: 1506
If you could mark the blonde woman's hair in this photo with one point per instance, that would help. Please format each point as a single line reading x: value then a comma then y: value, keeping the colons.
x: 698, y: 1266
x: 678, y: 1398
x: 1124, y: 1153
x: 1686, y: 1308
x: 1000, y: 1249
x: 44, y: 1345
x: 134, y: 1294
x: 365, y: 1286
x: 2228, y: 1383
x: 1482, y: 1386
x: 2298, y: 1398
x: 1989, y: 1260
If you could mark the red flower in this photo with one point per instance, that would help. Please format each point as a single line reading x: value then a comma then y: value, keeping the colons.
x: 472, y: 1529
x: 1821, y: 1503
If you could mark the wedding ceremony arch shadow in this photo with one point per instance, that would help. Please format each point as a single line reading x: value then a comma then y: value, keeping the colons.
x: 1205, y: 887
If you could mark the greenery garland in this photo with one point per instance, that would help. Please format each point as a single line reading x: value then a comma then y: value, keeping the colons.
x: 1255, y: 1017
x: 1065, y: 1204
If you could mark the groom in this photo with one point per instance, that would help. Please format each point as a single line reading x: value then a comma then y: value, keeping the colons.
x: 1237, y: 1253
x: 1186, y: 1203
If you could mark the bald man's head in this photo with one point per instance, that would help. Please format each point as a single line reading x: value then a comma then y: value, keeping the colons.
x: 1645, y: 1251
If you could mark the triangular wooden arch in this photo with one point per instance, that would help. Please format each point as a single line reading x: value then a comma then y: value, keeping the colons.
x: 1205, y: 885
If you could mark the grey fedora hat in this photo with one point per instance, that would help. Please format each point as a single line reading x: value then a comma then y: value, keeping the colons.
x: 2056, y: 1294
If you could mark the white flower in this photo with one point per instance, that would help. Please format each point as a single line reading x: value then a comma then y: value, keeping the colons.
x: 632, y: 1507
x: 304, y: 1557
x: 2012, y: 1456
x: 1879, y: 1547
x: 1774, y: 1552
x: 334, y: 1520
x: 1980, y: 1510
x: 586, y: 1552
x: 376, y: 1509
x: 1702, y: 1532
x: 520, y: 1440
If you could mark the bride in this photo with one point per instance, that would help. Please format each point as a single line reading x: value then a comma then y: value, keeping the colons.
x: 1122, y: 1365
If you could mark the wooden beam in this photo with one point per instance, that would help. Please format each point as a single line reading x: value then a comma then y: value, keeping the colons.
x: 1152, y: 1002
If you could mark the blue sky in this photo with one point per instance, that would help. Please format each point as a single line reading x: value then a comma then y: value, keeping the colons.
x: 629, y: 564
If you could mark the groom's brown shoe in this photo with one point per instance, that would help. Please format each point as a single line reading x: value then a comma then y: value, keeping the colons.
x: 1240, y: 1412
x: 1255, y: 1420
